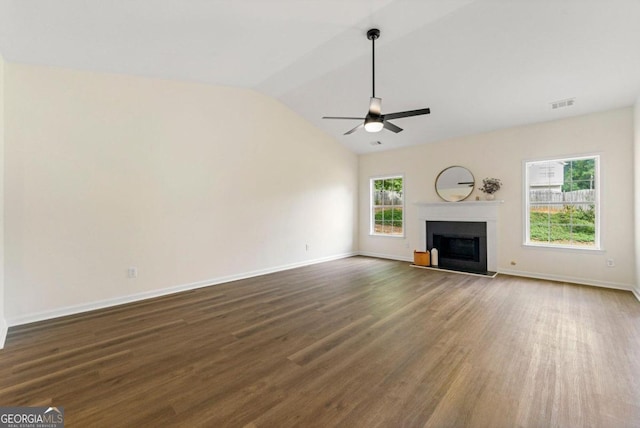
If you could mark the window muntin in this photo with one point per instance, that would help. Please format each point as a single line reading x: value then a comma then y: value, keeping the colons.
x: 387, y: 206
x: 562, y: 203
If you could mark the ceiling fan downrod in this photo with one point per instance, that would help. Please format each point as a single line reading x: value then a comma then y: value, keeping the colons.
x: 373, y: 35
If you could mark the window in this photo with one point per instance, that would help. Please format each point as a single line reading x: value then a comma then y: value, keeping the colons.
x: 562, y: 202
x: 387, y: 206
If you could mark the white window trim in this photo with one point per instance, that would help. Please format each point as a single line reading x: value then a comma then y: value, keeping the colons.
x: 371, y: 218
x: 598, y: 204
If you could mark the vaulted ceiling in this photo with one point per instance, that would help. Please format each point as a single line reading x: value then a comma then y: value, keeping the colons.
x: 478, y: 64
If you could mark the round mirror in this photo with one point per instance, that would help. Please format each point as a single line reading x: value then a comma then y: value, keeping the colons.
x: 455, y: 183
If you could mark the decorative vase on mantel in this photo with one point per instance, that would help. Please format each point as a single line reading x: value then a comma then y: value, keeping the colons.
x: 489, y: 187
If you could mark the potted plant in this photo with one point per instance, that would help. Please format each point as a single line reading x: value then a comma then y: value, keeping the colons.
x: 490, y: 186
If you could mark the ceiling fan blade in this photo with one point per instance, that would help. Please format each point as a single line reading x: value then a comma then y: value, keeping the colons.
x: 375, y: 106
x: 339, y: 117
x: 408, y: 113
x: 351, y: 131
x: 391, y: 127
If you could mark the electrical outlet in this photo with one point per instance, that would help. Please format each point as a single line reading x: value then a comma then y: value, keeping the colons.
x: 610, y: 263
x: 132, y: 272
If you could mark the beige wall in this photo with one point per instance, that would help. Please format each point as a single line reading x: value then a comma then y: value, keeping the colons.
x: 500, y: 154
x: 190, y: 183
x: 3, y: 325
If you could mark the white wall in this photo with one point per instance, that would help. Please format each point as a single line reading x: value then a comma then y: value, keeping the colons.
x: 500, y: 154
x: 191, y: 184
x: 636, y: 170
x: 3, y: 324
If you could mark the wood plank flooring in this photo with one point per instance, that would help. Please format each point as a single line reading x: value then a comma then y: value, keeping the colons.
x: 359, y: 342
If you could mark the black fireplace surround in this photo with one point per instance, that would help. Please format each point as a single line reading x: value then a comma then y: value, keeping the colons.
x: 462, y: 245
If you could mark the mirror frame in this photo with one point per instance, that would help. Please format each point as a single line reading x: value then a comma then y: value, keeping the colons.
x: 471, y: 184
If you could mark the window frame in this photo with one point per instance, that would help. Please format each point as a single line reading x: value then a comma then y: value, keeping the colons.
x: 372, y: 207
x: 526, y: 240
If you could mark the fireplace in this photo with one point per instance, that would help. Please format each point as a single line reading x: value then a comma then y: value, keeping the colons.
x: 484, y: 212
x: 462, y: 245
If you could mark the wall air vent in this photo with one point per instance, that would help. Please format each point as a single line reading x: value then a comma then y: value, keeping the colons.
x: 569, y: 102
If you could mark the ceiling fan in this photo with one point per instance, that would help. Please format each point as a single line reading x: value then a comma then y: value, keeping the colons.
x: 374, y: 121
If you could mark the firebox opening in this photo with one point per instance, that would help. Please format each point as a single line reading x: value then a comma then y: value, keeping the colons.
x: 459, y: 248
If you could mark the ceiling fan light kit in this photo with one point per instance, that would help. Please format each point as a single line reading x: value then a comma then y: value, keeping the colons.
x: 372, y: 124
x: 375, y: 121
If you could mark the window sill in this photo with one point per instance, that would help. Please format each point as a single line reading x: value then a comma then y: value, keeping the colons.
x: 387, y: 236
x: 563, y: 248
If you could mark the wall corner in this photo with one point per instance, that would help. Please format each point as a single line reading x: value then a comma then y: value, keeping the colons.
x: 3, y: 332
x: 636, y: 192
x: 3, y: 323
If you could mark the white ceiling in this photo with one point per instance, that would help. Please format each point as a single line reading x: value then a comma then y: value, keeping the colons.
x: 478, y: 64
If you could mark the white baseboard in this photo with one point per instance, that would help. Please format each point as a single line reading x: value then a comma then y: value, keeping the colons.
x: 86, y: 307
x: 386, y: 256
x: 3, y: 332
x: 572, y: 280
x: 549, y: 277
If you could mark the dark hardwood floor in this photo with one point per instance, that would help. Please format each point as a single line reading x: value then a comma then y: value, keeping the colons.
x: 359, y: 342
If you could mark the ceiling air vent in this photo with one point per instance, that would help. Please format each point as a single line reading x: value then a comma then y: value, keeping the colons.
x: 563, y: 103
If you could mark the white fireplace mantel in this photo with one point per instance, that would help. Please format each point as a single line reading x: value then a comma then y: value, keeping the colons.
x: 484, y: 211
